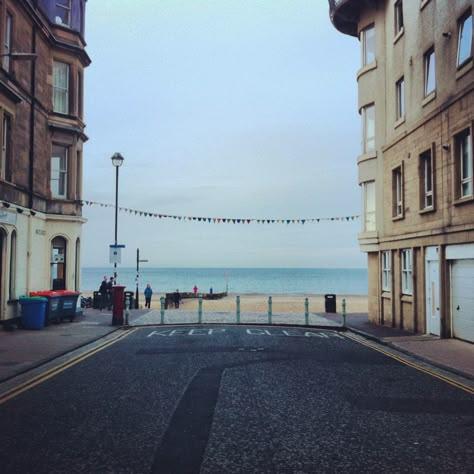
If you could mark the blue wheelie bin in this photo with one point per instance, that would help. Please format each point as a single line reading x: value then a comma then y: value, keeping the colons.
x: 33, y: 311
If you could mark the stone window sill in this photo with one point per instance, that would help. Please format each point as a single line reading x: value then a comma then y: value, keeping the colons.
x: 464, y: 68
x: 399, y: 122
x: 399, y: 35
x: 427, y: 210
x: 429, y: 98
x: 365, y: 69
x: 464, y: 200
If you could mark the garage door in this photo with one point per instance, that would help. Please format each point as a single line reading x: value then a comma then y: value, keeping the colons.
x: 462, y: 291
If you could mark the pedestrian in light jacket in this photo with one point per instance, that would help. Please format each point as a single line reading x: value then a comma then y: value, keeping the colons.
x: 148, y: 293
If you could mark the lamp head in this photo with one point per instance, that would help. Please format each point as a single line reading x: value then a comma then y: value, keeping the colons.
x: 117, y: 160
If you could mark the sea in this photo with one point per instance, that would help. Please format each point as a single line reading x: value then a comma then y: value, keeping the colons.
x: 343, y: 281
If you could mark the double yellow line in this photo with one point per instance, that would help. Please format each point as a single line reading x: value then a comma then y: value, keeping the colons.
x: 444, y: 378
x: 23, y: 387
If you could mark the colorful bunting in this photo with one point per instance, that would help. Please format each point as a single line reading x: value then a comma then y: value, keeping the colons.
x: 224, y: 220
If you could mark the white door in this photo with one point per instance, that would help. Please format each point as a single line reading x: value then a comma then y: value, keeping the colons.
x: 433, y: 321
x: 462, y: 299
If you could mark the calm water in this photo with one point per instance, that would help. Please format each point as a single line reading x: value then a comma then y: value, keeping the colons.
x: 348, y: 281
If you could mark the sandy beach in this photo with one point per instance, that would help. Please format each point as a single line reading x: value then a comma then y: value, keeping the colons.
x: 259, y: 303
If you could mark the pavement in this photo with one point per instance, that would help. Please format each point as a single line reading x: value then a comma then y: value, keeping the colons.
x: 22, y: 350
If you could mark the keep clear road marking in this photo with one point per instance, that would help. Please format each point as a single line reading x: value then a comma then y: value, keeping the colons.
x: 250, y: 332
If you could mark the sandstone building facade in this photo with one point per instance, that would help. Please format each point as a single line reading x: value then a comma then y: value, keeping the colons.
x: 416, y: 169
x: 42, y: 64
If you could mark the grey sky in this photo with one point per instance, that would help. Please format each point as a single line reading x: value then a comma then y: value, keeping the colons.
x: 223, y: 108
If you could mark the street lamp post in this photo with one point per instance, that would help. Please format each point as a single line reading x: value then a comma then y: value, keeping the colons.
x: 117, y: 161
x: 138, y: 277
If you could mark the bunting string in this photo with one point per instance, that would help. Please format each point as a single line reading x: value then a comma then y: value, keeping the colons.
x: 222, y: 220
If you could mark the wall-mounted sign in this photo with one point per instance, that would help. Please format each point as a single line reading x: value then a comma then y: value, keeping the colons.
x: 8, y: 217
x: 40, y: 232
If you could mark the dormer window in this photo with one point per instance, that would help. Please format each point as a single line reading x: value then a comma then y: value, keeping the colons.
x: 63, y: 12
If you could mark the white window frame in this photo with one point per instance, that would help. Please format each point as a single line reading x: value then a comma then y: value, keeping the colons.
x: 59, y: 172
x: 7, y: 41
x: 407, y: 283
x: 387, y: 270
x: 61, y: 76
x: 5, y: 144
x: 429, y: 60
x: 368, y: 45
x: 464, y: 162
x: 398, y: 12
x: 58, y: 261
x: 397, y: 192
x: 63, y: 7
x: 400, y: 95
x: 368, y: 128
x: 427, y: 180
x: 368, y: 205
x: 464, y: 38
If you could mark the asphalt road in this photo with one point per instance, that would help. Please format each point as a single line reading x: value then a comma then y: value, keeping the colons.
x: 238, y: 400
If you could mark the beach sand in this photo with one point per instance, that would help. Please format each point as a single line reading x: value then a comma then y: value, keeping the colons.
x: 280, y: 303
x: 287, y: 303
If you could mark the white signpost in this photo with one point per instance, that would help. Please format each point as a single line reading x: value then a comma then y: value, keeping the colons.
x: 116, y: 253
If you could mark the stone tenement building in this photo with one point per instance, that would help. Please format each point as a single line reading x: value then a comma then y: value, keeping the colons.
x: 42, y: 134
x: 416, y: 102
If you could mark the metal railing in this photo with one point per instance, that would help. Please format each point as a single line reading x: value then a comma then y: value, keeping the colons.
x: 303, y: 318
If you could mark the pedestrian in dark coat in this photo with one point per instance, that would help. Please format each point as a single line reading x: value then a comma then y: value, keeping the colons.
x: 103, y: 294
x: 110, y: 292
x: 176, y: 298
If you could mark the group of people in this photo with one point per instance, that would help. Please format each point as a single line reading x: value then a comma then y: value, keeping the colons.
x: 148, y: 293
x: 106, y: 293
x: 176, y: 296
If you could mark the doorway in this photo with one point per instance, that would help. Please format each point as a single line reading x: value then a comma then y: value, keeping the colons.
x: 433, y: 318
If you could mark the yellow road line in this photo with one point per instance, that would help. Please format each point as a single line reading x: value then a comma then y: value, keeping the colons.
x: 455, y: 383
x: 23, y: 387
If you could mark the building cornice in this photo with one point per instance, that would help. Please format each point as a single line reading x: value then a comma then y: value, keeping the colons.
x: 10, y: 92
x: 68, y: 128
x: 45, y: 27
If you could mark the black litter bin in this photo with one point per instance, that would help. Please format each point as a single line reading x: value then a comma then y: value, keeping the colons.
x: 68, y: 304
x: 129, y: 295
x: 330, y: 303
x: 96, y: 300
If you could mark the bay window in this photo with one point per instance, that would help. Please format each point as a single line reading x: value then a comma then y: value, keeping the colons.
x: 61, y: 87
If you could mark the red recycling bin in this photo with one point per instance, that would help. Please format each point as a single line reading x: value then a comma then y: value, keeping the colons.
x: 119, y: 305
x: 61, y: 304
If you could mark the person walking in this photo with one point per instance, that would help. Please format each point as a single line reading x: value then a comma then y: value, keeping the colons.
x: 176, y: 298
x: 110, y: 292
x: 148, y: 293
x: 103, y: 294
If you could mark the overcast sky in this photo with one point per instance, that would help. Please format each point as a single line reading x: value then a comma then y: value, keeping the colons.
x: 224, y: 109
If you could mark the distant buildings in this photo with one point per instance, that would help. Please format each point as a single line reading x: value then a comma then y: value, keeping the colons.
x: 41, y: 139
x: 416, y: 170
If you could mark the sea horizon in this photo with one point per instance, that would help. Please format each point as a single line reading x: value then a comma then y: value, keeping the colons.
x: 243, y: 280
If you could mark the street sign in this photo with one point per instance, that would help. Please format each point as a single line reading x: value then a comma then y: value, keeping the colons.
x: 115, y: 253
